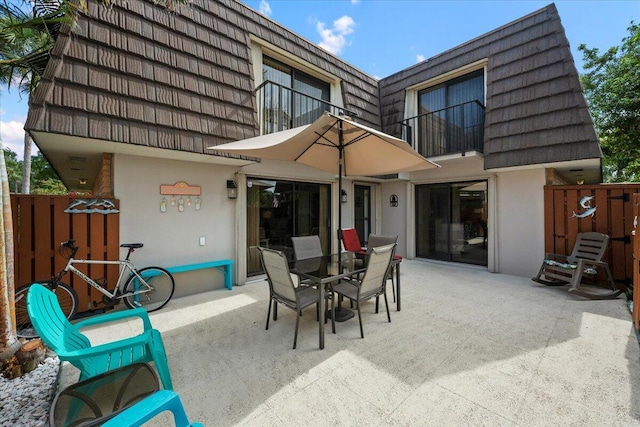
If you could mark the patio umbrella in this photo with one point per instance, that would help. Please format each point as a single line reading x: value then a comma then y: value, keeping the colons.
x: 337, y: 145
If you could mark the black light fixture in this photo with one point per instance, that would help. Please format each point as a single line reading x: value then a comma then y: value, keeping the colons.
x: 232, y: 189
x: 343, y: 196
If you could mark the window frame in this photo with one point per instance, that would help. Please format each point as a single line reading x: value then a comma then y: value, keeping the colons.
x: 411, y: 92
x: 260, y: 48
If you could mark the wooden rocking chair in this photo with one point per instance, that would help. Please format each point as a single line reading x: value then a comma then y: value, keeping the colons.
x: 584, y: 262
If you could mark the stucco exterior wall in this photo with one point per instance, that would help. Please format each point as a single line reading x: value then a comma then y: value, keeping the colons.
x: 520, y: 222
x: 394, y: 219
x: 172, y: 238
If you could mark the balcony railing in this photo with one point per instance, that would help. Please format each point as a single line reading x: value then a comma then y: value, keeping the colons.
x: 281, y: 108
x: 452, y: 130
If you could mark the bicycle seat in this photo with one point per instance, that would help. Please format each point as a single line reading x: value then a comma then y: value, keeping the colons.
x: 131, y: 245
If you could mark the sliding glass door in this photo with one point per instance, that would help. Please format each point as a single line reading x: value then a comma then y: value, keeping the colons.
x: 278, y: 210
x: 362, y: 212
x: 451, y: 222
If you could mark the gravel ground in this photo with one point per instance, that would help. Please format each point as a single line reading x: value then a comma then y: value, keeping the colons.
x: 25, y: 401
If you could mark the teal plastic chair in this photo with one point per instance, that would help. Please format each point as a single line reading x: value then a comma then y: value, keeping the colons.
x: 149, y: 407
x: 66, y: 340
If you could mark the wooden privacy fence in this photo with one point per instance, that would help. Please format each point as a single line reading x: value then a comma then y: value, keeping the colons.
x: 40, y: 224
x: 565, y: 217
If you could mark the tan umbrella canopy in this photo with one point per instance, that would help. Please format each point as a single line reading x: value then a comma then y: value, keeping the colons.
x: 365, y: 151
x: 334, y: 144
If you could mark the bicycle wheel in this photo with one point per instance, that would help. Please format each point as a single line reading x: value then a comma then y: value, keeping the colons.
x: 154, y: 290
x: 67, y: 298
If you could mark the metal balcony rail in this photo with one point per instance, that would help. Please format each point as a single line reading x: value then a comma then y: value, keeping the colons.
x: 281, y: 108
x: 452, y: 130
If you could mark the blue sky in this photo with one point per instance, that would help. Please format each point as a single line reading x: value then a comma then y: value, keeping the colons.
x: 381, y: 37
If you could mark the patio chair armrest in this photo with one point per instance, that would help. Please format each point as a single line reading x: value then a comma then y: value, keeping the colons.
x: 148, y: 408
x: 300, y: 280
x: 585, y: 262
x: 353, y: 282
x: 591, y: 267
x: 115, y: 316
x: 110, y: 347
x: 555, y: 257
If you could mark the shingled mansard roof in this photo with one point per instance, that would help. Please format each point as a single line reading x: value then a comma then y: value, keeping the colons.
x: 135, y: 73
x: 536, y: 110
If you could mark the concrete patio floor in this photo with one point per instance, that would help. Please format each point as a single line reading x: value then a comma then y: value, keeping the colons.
x: 468, y: 348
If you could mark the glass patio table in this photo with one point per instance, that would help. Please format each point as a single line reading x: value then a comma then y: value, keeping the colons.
x: 323, y: 270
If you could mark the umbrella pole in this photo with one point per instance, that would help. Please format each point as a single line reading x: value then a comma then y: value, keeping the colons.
x: 340, y: 165
x: 341, y: 313
x: 340, y: 206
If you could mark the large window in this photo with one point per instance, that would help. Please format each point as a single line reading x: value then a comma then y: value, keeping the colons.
x: 279, y: 210
x: 451, y: 116
x: 292, y: 98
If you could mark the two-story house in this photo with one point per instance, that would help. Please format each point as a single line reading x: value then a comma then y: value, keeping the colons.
x: 134, y: 95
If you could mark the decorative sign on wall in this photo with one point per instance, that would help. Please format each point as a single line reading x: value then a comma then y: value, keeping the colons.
x: 178, y: 191
x: 393, y: 200
x: 589, y: 210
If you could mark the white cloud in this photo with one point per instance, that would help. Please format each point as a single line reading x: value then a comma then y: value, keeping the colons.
x: 265, y: 8
x: 333, y: 39
x: 355, y: 1
x: 12, y: 136
x: 419, y: 58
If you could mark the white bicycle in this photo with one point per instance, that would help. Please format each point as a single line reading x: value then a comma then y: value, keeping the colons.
x: 150, y: 287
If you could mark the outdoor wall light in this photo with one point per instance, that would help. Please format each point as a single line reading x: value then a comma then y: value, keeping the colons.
x: 343, y: 196
x: 232, y: 189
x: 82, y: 181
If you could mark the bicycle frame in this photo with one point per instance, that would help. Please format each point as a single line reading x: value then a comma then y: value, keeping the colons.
x: 126, y: 265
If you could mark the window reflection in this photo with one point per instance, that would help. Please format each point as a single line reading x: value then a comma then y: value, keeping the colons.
x: 278, y: 210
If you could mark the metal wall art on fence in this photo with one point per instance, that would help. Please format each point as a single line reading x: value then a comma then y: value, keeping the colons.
x: 97, y: 205
x: 589, y: 210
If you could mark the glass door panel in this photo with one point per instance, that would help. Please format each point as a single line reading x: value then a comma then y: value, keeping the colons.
x: 451, y: 222
x: 362, y: 212
x: 278, y: 210
x: 469, y: 220
x: 432, y: 221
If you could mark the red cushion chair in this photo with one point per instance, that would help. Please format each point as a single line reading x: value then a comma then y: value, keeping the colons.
x: 351, y: 241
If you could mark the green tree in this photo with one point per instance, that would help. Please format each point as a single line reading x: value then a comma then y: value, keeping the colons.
x: 26, y: 36
x: 14, y: 170
x: 612, y: 89
x: 44, y: 179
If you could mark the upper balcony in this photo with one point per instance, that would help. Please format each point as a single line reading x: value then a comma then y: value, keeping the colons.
x: 281, y: 108
x: 453, y: 130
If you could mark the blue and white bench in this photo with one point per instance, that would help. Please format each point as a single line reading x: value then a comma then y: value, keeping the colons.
x: 224, y: 265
